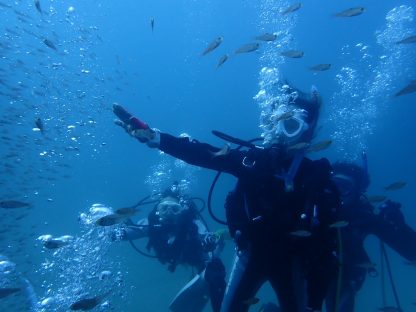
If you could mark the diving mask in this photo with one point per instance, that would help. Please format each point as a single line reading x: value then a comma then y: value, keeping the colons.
x: 169, y: 208
x: 289, y: 123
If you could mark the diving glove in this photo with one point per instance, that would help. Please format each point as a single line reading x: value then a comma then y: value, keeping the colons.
x: 391, y: 213
x: 135, y: 127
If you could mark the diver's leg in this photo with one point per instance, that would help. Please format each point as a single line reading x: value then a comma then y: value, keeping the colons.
x: 284, y: 275
x: 215, y: 277
x: 346, y: 300
x: 320, y: 272
x: 245, y: 280
x: 330, y: 299
x: 192, y: 297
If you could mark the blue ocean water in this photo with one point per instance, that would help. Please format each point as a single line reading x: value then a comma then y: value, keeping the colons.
x: 101, y: 52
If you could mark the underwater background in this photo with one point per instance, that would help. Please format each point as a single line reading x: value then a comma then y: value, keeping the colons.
x: 67, y: 62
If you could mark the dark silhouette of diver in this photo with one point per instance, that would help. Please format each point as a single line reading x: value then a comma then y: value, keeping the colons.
x: 179, y: 236
x: 388, y: 225
x: 281, y: 210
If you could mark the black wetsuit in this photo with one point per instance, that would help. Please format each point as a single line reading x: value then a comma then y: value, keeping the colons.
x: 181, y: 243
x: 177, y: 243
x: 389, y: 226
x: 271, y: 225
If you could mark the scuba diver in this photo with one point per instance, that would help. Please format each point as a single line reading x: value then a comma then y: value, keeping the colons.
x: 177, y: 234
x: 388, y: 225
x: 279, y: 213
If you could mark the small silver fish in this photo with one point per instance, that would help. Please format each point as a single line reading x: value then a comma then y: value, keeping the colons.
x: 299, y: 146
x: 127, y: 212
x: 320, y: 146
x: 222, y: 60
x: 339, y: 224
x: 39, y: 124
x: 3, y: 5
x: 410, y: 88
x: 395, y: 186
x: 284, y: 116
x: 55, y: 243
x: 292, y: 8
x: 389, y: 309
x: 250, y: 47
x: 301, y: 233
x: 366, y: 265
x: 213, y: 45
x: 350, y: 12
x: 376, y: 198
x: 152, y: 23
x: 109, y: 220
x: 411, y: 39
x: 12, y: 204
x: 37, y: 5
x: 87, y: 303
x: 5, y: 292
x: 292, y: 53
x: 251, y: 301
x: 411, y: 263
x: 50, y: 44
x: 267, y: 37
x: 320, y: 67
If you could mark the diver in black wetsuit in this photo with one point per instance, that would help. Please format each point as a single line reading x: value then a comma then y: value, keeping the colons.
x: 178, y: 236
x: 280, y: 211
x: 388, y: 225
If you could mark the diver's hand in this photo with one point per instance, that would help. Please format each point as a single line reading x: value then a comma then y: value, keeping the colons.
x: 135, y: 127
x: 210, y: 242
x: 391, y: 213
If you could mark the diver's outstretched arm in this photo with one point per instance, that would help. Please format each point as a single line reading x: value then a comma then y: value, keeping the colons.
x: 391, y: 228
x: 132, y: 231
x: 190, y: 151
